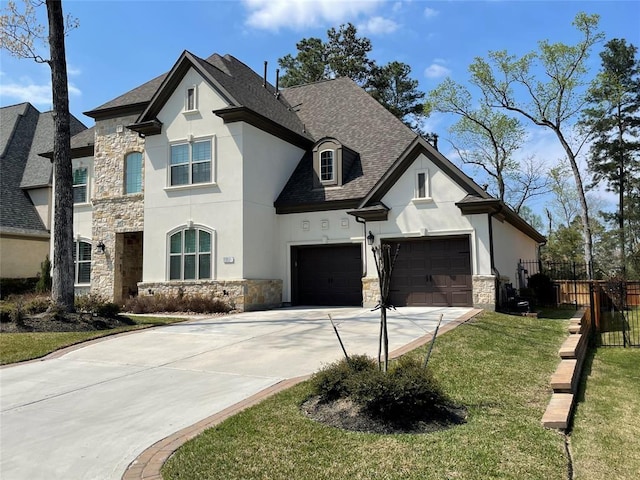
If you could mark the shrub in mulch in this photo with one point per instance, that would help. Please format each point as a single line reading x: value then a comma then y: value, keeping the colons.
x: 176, y: 303
x: 356, y: 395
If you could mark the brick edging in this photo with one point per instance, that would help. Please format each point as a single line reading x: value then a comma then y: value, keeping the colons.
x: 148, y: 464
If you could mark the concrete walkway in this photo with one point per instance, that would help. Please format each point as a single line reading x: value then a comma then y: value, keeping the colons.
x: 89, y: 413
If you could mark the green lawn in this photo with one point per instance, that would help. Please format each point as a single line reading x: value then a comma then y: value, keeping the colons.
x: 18, y: 347
x: 606, y: 429
x: 498, y: 366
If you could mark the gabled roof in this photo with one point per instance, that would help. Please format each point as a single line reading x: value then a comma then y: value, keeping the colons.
x: 341, y: 109
x: 24, y: 134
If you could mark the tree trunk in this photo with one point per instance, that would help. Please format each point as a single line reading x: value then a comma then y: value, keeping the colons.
x: 62, y: 291
x: 584, y: 208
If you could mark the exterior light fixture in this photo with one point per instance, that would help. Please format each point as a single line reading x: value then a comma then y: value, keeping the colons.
x: 101, y: 246
x: 370, y: 238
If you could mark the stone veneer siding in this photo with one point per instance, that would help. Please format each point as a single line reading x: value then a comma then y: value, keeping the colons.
x: 484, y: 292
x: 242, y: 295
x: 370, y: 292
x: 113, y: 211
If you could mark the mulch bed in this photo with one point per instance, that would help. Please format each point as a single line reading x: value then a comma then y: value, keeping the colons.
x: 69, y: 322
x: 346, y: 415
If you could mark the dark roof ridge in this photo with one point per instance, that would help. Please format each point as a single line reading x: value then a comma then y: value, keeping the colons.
x: 323, y: 80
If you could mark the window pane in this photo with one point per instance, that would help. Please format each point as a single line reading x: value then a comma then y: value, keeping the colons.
x: 201, y: 151
x: 176, y: 243
x: 189, y: 267
x: 204, y: 267
x: 421, y: 185
x: 191, y: 99
x: 205, y: 242
x: 80, y: 176
x: 133, y: 173
x: 179, y: 154
x: 189, y: 241
x: 85, y: 251
x: 80, y: 194
x: 201, y: 172
x: 180, y: 175
x: 84, y: 272
x: 326, y: 165
x: 175, y: 266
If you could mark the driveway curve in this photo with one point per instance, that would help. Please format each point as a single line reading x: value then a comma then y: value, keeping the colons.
x: 89, y: 413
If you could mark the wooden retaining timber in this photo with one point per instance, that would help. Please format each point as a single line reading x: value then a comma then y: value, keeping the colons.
x: 566, y: 379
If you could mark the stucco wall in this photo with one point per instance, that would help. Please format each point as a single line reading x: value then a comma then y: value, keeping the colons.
x: 510, y: 245
x: 20, y: 256
x: 41, y: 199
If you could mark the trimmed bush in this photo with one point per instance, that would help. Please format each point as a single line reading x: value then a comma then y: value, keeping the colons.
x: 96, y: 304
x: 407, y: 392
x: 44, y: 281
x: 176, y: 303
x: 17, y: 286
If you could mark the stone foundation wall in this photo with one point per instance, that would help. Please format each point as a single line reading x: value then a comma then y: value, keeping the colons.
x: 370, y: 292
x: 484, y: 292
x: 242, y: 295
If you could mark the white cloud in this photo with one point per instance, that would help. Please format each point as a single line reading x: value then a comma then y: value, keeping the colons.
x: 298, y: 14
x: 430, y: 12
x: 25, y: 90
x: 435, y: 70
x: 378, y: 25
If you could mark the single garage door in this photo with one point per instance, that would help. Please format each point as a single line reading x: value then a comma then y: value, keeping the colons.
x: 433, y: 272
x: 326, y: 275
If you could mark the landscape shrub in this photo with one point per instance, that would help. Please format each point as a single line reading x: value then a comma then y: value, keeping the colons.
x: 96, y: 304
x: 17, y: 286
x: 405, y: 393
x: 176, y: 303
x: 44, y: 281
x: 5, y: 312
x: 542, y: 285
x: 36, y: 304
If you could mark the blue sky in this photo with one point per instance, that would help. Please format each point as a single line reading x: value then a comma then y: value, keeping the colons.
x: 121, y: 44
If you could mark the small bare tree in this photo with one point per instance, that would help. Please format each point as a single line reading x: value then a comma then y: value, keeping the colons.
x: 20, y: 32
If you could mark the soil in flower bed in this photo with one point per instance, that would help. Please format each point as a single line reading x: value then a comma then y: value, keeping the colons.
x: 68, y: 322
x: 347, y: 415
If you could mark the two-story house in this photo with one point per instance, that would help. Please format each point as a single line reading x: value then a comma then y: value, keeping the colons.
x: 209, y: 180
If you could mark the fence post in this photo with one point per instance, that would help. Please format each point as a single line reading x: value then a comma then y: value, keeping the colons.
x: 594, y: 330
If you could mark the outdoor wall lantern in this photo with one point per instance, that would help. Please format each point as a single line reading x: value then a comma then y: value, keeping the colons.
x: 100, y: 246
x: 370, y: 238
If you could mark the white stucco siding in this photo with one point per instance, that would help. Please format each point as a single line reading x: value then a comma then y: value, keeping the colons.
x: 42, y: 201
x: 216, y: 206
x: 268, y: 163
x: 312, y: 228
x: 510, y: 245
x: 435, y: 215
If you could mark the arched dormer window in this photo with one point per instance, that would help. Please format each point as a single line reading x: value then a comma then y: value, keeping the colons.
x: 332, y: 162
x: 327, y: 167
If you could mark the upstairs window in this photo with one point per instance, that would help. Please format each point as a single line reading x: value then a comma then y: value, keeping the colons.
x: 190, y: 254
x: 80, y: 185
x: 190, y: 163
x: 82, y: 262
x: 133, y: 173
x: 190, y: 99
x: 422, y: 193
x: 327, y: 166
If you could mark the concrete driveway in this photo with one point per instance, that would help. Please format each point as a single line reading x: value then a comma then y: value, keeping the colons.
x: 90, y: 413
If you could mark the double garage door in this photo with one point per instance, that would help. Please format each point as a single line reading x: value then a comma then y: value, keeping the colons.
x: 433, y: 272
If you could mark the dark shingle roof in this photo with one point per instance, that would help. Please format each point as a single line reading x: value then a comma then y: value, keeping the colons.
x: 341, y: 109
x: 139, y: 95
x: 24, y: 134
x: 85, y: 138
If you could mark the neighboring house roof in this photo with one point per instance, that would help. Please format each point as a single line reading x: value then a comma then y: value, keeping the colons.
x: 24, y: 134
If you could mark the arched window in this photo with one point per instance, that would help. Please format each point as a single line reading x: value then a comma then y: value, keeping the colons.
x: 82, y: 262
x: 133, y: 173
x: 190, y: 254
x: 327, y: 166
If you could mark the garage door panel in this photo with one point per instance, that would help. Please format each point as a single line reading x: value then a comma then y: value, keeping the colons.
x: 432, y: 272
x: 327, y: 275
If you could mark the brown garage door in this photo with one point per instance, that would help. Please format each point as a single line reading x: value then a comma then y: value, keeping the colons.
x: 434, y: 272
x: 326, y: 275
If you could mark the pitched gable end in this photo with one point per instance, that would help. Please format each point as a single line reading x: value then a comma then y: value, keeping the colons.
x: 147, y: 123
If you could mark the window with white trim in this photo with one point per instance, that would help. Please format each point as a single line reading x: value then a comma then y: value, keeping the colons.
x: 133, y: 173
x: 80, y: 185
x: 191, y: 99
x: 190, y: 254
x: 82, y: 262
x: 190, y: 163
x: 422, y: 185
x: 327, y: 166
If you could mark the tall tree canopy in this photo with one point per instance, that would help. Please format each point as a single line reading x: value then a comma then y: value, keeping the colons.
x: 613, y: 116
x: 546, y: 87
x: 345, y: 54
x: 487, y: 139
x: 20, y: 30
